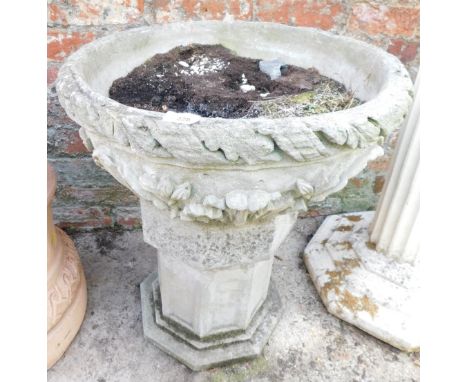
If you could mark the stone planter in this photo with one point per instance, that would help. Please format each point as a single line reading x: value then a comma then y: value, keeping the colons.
x: 218, y: 196
x: 66, y: 285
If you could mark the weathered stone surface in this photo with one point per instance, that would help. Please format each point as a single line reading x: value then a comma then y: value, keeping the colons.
x: 207, y: 194
x: 216, y: 340
x: 212, y: 246
x: 213, y: 279
x: 361, y: 285
x: 218, y: 351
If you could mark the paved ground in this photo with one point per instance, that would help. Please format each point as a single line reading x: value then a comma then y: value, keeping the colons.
x: 307, y: 345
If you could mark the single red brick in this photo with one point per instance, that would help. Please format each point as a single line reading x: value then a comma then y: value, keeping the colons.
x: 61, y: 43
x: 312, y: 213
x: 83, y: 217
x: 277, y: 11
x: 135, y: 11
x: 212, y: 9
x: 391, y: 21
x: 56, y: 14
x: 163, y: 12
x: 92, y: 12
x: 86, y: 224
x: 405, y: 3
x: 392, y: 140
x: 127, y: 217
x: 51, y: 74
x: 75, y: 144
x: 318, y: 14
x: 161, y: 5
x: 379, y: 164
x: 405, y: 51
x: 379, y: 182
x: 396, y: 46
x: 356, y: 182
x: 114, y: 195
x: 241, y: 9
x: 129, y: 222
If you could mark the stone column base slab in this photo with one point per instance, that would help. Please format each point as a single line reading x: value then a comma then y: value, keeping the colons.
x: 361, y: 285
x: 203, y: 353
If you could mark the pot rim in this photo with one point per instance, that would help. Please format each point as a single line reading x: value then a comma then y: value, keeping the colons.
x: 391, y: 62
x: 357, y: 127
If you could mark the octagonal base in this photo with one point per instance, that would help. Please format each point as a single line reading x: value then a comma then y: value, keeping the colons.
x: 361, y: 285
x: 203, y: 353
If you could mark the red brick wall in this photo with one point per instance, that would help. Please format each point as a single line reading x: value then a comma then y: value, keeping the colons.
x: 88, y: 197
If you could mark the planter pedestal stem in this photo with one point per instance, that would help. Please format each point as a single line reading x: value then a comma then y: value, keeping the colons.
x: 211, y: 301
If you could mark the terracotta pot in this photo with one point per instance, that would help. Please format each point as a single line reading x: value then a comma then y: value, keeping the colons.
x: 66, y: 284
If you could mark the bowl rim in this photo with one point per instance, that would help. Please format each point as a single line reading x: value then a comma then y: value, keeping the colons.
x: 393, y: 65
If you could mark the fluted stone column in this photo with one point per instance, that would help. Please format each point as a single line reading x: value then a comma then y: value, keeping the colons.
x: 395, y: 226
x: 364, y: 264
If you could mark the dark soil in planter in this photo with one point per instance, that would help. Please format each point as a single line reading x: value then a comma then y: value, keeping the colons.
x: 211, y: 81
